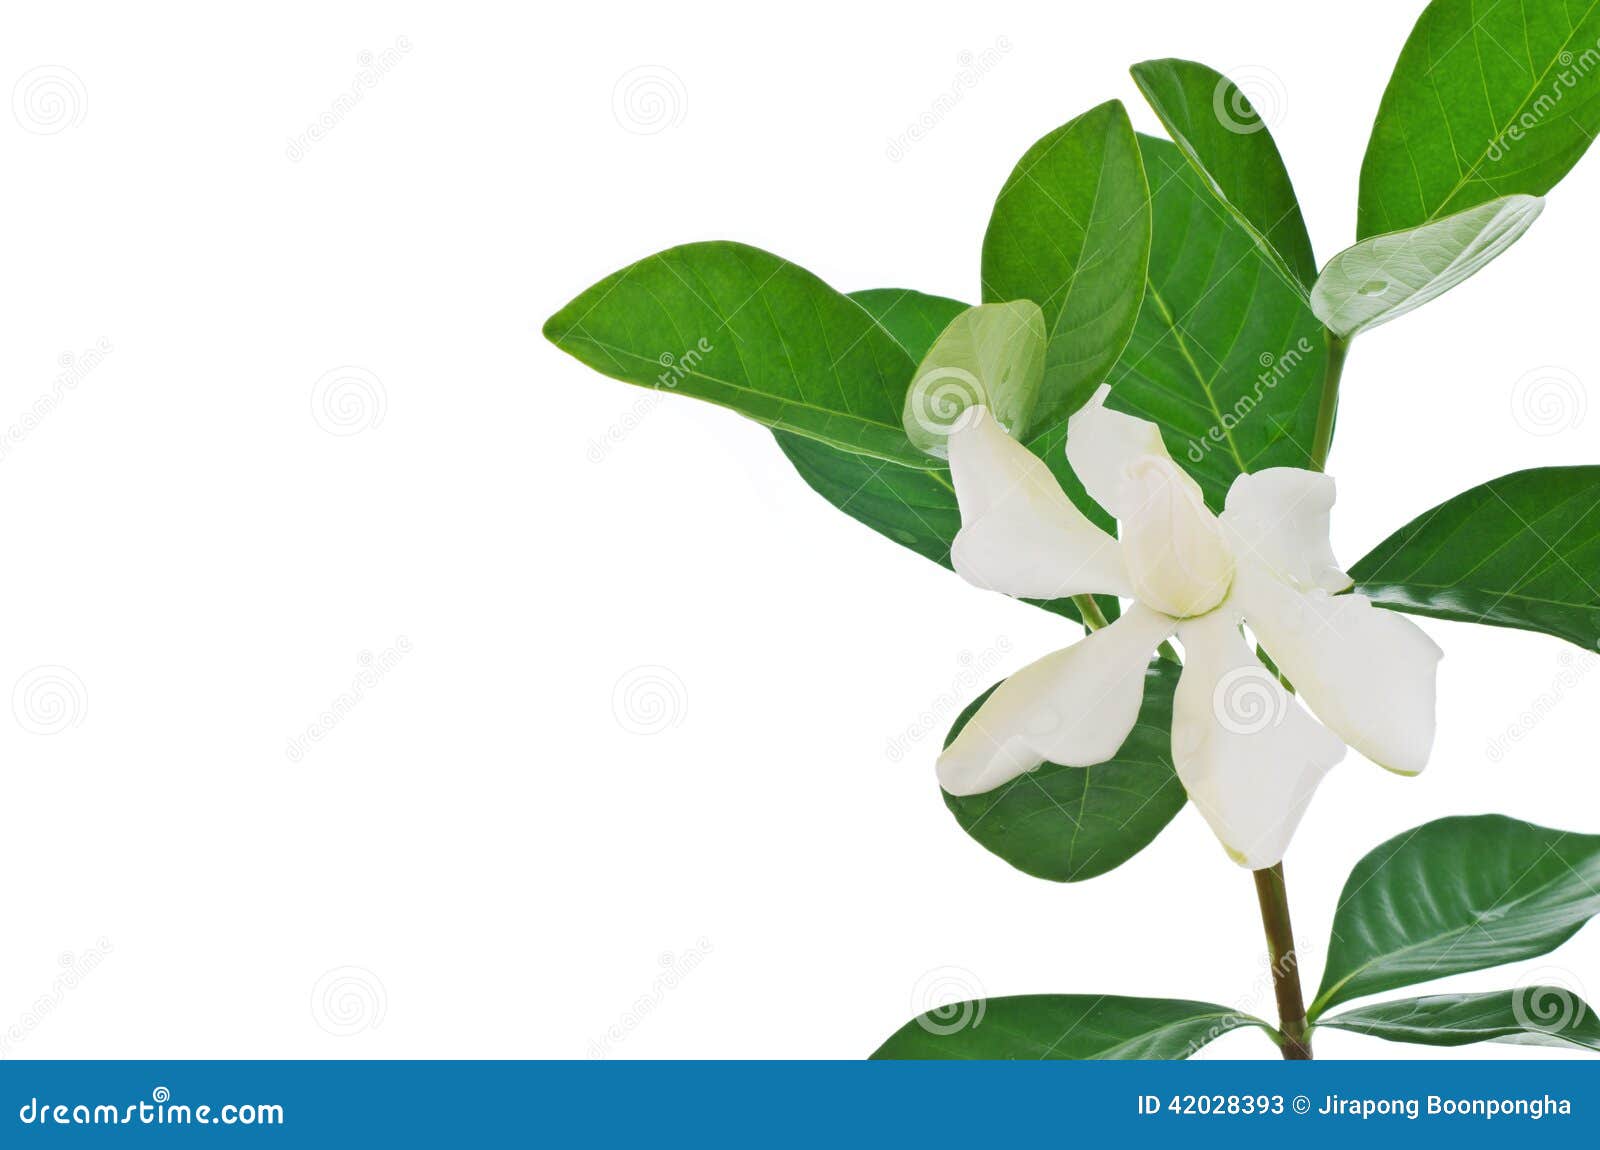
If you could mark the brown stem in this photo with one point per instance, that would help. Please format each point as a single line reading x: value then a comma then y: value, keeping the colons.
x: 1274, y: 899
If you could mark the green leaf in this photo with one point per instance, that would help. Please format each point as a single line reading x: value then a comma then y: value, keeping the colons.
x: 991, y: 355
x: 1519, y: 551
x: 1488, y: 98
x: 1455, y: 895
x: 1228, y: 145
x: 1067, y: 824
x: 914, y: 318
x: 741, y: 328
x: 915, y: 508
x: 1534, y: 1015
x: 1068, y: 1026
x: 1388, y: 275
x: 1071, y: 231
x: 1226, y: 358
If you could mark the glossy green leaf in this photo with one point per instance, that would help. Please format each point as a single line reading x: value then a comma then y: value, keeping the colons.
x: 1067, y: 824
x: 1071, y: 232
x: 913, y: 506
x: 1226, y: 358
x: 914, y: 318
x: 744, y: 329
x: 1222, y: 136
x: 1067, y: 1026
x: 1388, y: 275
x: 1519, y: 551
x: 1533, y: 1015
x: 990, y: 356
x: 1455, y: 895
x: 1488, y: 98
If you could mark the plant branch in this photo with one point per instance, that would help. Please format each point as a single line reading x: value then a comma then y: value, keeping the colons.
x: 1094, y: 619
x: 1274, y: 899
x: 1322, y: 438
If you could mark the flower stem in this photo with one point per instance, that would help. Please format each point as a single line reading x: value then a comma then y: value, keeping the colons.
x: 1094, y: 619
x: 1274, y: 899
x: 1322, y: 438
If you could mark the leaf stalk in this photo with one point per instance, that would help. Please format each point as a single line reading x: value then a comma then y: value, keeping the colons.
x: 1322, y: 438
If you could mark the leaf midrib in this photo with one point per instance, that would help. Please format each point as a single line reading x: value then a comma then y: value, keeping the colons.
x: 1112, y: 1051
x: 740, y: 387
x: 1500, y: 596
x: 1325, y: 999
x: 1471, y: 173
x: 1243, y: 1020
x: 1199, y: 376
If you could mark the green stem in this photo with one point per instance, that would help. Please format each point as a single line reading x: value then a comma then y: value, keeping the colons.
x: 1322, y: 438
x: 1292, y: 1026
x: 1094, y: 619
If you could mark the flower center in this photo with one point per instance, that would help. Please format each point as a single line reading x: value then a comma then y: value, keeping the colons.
x: 1178, y: 559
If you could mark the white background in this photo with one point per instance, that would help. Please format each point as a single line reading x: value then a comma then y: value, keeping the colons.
x: 481, y: 858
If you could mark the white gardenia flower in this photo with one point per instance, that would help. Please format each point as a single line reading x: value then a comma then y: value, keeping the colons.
x: 1248, y: 753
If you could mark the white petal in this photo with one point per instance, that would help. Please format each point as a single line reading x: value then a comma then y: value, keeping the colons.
x: 1177, y: 557
x: 1074, y: 707
x: 1020, y: 534
x: 1249, y: 756
x: 1367, y: 673
x: 1280, y: 518
x: 1102, y: 444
